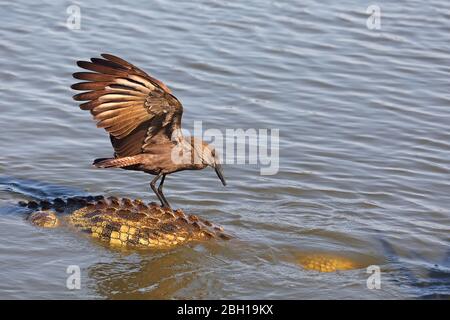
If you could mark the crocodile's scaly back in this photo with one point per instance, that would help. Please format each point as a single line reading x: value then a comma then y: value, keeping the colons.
x: 132, y: 223
x: 125, y: 222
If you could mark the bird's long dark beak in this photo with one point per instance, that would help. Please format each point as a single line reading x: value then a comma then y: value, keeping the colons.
x: 219, y: 172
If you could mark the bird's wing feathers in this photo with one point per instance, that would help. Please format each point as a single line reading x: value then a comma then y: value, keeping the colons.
x: 133, y: 107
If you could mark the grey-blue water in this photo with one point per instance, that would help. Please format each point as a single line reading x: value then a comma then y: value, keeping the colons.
x: 364, y: 146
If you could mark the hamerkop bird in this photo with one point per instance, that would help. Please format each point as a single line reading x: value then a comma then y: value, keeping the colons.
x: 143, y: 120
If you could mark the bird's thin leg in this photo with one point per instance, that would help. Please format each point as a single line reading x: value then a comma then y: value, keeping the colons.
x: 152, y: 185
x: 160, y: 187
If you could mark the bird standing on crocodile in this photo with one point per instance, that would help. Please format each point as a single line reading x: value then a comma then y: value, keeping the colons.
x: 143, y: 120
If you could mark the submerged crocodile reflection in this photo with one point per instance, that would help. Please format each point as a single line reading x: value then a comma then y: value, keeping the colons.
x: 167, y: 274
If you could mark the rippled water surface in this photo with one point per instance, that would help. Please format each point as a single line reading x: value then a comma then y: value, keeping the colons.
x: 364, y: 146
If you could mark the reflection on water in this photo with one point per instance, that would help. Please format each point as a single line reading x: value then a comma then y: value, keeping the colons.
x: 175, y: 274
x: 364, y: 146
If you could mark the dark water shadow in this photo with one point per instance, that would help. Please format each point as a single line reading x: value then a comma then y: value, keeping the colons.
x: 20, y: 188
x: 424, y: 281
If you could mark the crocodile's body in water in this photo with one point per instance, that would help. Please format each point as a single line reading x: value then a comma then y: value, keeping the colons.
x: 124, y: 222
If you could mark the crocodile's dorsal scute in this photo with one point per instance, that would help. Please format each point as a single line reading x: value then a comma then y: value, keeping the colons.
x: 125, y: 222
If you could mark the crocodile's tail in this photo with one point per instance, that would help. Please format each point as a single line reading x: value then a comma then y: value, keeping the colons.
x: 116, y: 162
x: 60, y: 205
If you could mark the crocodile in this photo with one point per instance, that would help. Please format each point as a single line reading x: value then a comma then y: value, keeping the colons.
x: 131, y: 223
x: 123, y: 222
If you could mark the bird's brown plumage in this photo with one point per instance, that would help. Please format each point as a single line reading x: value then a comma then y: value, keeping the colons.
x: 142, y: 117
x: 132, y: 106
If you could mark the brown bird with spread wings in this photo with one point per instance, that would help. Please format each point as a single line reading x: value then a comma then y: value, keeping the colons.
x: 143, y: 120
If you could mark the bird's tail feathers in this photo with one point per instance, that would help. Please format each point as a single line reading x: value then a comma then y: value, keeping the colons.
x: 116, y: 162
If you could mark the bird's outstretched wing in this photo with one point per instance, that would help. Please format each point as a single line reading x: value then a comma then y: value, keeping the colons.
x: 136, y: 109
